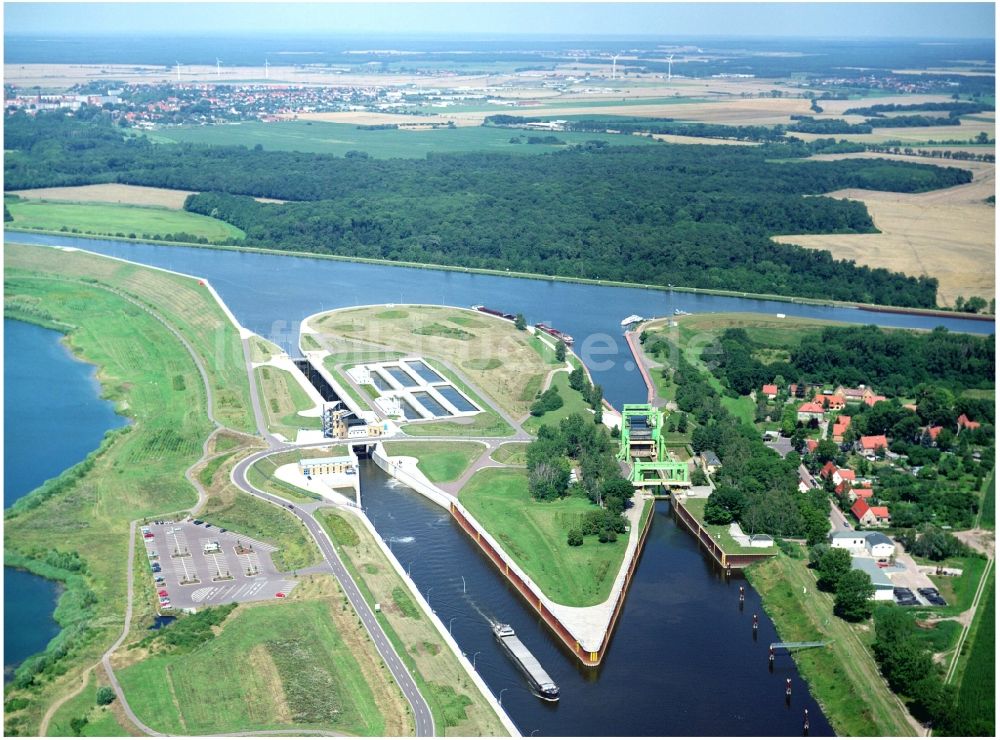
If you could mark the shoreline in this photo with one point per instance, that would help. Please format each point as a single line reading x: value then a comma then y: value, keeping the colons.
x: 871, y: 307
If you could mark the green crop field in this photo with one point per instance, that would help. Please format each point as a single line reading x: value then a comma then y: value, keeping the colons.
x: 272, y: 667
x: 439, y: 461
x: 118, y: 220
x: 976, y: 706
x: 340, y: 138
x: 533, y: 533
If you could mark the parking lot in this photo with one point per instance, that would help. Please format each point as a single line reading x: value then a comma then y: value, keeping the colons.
x: 195, y: 563
x: 920, y: 597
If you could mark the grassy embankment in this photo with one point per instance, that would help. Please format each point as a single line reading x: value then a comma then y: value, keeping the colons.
x: 720, y: 532
x: 511, y: 453
x: 490, y: 352
x: 339, y: 138
x: 573, y: 403
x: 100, y: 721
x: 456, y: 704
x: 306, y: 663
x: 842, y: 676
x: 137, y: 471
x: 441, y: 462
x: 283, y: 398
x: 110, y: 219
x: 533, y: 533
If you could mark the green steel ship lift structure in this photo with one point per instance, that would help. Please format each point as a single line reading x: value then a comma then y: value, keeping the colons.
x: 643, y: 445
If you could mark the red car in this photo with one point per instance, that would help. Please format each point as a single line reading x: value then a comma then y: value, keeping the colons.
x: 149, y: 535
x: 161, y: 593
x: 280, y: 595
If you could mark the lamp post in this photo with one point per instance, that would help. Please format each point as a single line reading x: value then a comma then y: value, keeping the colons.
x: 449, y: 624
x: 474, y: 658
x: 500, y: 698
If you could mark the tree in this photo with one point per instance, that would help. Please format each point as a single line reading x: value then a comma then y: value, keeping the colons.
x: 577, y: 379
x: 574, y: 538
x: 520, y: 323
x: 826, y: 451
x: 105, y: 695
x: 682, y: 423
x: 725, y: 504
x: 816, y: 553
x: 833, y: 565
x: 852, y: 599
x: 561, y: 351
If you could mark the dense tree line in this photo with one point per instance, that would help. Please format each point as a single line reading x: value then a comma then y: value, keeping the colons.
x: 810, y: 125
x: 669, y: 214
x: 891, y: 361
x: 913, y: 121
x: 954, y: 108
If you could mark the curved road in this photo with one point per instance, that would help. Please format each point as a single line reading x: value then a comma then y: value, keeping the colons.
x: 421, y: 712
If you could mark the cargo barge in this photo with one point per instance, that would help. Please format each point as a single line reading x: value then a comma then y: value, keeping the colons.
x: 493, y: 312
x: 566, y: 338
x: 540, y: 681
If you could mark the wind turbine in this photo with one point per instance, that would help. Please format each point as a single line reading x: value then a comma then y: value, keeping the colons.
x: 670, y: 67
x: 218, y: 68
x: 614, y: 64
x: 266, y: 66
x: 178, y: 71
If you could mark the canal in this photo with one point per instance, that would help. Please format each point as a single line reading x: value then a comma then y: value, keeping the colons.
x: 683, y: 659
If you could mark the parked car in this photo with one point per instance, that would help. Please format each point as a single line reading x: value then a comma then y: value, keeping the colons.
x: 162, y: 593
x: 147, y: 535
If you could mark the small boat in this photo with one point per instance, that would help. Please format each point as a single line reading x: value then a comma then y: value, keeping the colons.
x: 681, y: 312
x: 633, y: 319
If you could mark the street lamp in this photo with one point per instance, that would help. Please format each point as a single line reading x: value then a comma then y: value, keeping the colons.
x: 449, y: 624
x: 408, y: 568
x: 429, y: 595
x: 500, y: 698
x: 474, y: 658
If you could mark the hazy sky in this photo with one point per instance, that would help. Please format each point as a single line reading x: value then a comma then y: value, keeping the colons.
x: 851, y: 20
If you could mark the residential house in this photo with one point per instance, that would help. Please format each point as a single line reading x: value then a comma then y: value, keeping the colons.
x: 830, y: 402
x: 843, y: 475
x: 828, y: 470
x: 809, y: 411
x: 853, y: 494
x: 880, y: 580
x: 870, y: 516
x: 964, y: 422
x: 854, y: 395
x: 870, y: 445
x: 811, y: 445
x: 841, y: 425
x: 710, y: 461
x: 770, y: 392
x: 933, y: 432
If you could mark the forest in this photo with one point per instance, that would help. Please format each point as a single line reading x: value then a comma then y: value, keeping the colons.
x: 670, y: 214
x: 893, y: 362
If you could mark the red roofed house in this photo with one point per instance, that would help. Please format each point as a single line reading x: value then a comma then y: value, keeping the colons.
x: 808, y: 411
x: 933, y: 432
x: 872, y: 400
x: 871, y: 516
x: 840, y: 426
x: 863, y: 493
x: 811, y: 445
x: 771, y: 391
x: 833, y: 403
x: 870, y: 444
x: 964, y: 422
x: 828, y: 470
x: 843, y: 474
x: 854, y: 395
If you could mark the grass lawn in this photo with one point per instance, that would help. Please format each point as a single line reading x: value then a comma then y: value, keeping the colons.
x: 721, y: 531
x: 512, y: 453
x: 573, y: 403
x: 146, y: 371
x: 282, y: 398
x: 988, y: 511
x: 340, y: 138
x: 743, y: 408
x: 101, y: 721
x: 456, y: 704
x: 118, y: 220
x: 958, y: 592
x: 490, y: 352
x: 187, y: 305
x: 276, y: 666
x: 534, y: 535
x: 843, y: 670
x: 439, y: 461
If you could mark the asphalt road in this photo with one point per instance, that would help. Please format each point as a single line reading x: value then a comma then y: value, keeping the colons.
x: 421, y: 712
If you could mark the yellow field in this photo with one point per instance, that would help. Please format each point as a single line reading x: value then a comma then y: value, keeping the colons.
x: 489, y: 351
x: 967, y: 130
x: 136, y: 195
x: 948, y: 234
x: 675, y: 139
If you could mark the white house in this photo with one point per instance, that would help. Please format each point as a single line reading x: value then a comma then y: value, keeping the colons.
x: 883, y: 586
x: 865, y: 544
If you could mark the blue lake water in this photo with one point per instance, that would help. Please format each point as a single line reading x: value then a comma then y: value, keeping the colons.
x: 53, y: 418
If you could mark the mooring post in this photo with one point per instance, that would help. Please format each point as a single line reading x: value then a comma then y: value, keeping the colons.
x: 788, y: 688
x: 805, y: 721
x: 742, y: 594
x: 770, y: 659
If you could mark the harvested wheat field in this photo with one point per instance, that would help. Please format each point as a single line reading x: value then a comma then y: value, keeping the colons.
x: 948, y: 234
x: 136, y: 195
